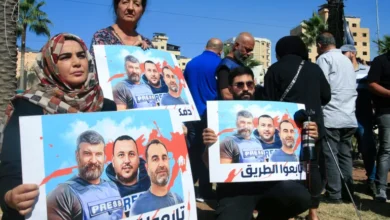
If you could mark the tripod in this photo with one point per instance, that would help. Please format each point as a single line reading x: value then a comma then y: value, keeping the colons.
x: 343, y: 180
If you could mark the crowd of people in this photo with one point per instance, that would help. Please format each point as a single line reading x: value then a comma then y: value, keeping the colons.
x: 347, y: 98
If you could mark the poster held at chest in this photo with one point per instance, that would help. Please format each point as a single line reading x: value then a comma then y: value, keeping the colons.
x: 108, y: 165
x: 257, y: 141
x: 135, y: 78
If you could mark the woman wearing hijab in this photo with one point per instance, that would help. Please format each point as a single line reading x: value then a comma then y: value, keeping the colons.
x: 123, y: 31
x: 68, y: 84
x: 310, y: 88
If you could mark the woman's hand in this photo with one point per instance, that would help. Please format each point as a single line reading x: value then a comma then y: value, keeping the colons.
x: 22, y: 198
x: 142, y: 43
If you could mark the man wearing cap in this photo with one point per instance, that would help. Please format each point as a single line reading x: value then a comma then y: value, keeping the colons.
x: 364, y: 115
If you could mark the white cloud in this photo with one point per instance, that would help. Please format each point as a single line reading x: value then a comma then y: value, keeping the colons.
x: 108, y: 128
x: 142, y: 56
x: 258, y: 110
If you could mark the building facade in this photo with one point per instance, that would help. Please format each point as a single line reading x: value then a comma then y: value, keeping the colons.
x: 360, y: 35
x: 160, y: 42
x: 261, y: 51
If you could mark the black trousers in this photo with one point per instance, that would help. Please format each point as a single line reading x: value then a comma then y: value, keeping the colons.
x: 279, y: 201
x: 196, y: 149
x: 315, y: 180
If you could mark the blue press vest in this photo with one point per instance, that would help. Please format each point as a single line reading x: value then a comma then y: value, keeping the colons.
x: 99, y: 202
x: 230, y: 64
x: 143, y: 96
x: 251, y: 150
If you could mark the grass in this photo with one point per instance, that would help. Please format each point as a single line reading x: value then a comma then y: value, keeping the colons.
x: 368, y: 208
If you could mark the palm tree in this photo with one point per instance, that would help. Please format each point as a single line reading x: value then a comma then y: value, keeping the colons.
x: 384, y: 44
x: 312, y: 28
x: 250, y: 62
x: 32, y: 18
x: 8, y: 51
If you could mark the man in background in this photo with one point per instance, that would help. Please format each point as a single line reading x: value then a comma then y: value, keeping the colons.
x: 200, y: 77
x: 364, y: 115
x: 339, y: 116
x: 241, y: 51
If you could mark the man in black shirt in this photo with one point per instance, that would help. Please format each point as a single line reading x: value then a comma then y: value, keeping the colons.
x: 241, y: 50
x: 379, y: 84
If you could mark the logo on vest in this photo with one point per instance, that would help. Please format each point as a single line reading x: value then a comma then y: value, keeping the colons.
x: 144, y: 98
x: 100, y: 208
x: 253, y: 153
x: 128, y: 201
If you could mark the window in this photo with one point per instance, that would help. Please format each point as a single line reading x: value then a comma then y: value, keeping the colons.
x: 183, y: 64
x: 355, y: 43
x: 365, y: 44
x: 364, y: 34
x: 364, y: 53
x: 262, y: 43
x: 354, y: 34
x: 263, y: 56
x: 309, y: 50
x: 354, y: 25
x: 162, y: 47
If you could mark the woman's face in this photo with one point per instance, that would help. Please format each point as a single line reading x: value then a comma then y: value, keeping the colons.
x: 72, y: 64
x: 130, y: 10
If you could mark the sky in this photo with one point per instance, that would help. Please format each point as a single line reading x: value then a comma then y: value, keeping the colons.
x: 190, y: 24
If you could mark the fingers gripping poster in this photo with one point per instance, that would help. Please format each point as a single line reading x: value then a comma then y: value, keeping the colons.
x: 108, y: 165
x: 135, y: 78
x: 257, y: 141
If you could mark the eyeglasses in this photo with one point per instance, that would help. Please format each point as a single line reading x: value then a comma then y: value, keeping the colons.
x: 241, y: 85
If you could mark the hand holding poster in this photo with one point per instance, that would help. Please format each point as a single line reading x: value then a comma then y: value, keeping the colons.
x: 108, y: 165
x: 135, y: 78
x: 257, y: 141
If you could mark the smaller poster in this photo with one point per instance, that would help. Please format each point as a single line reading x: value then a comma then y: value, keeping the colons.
x: 108, y: 165
x: 135, y: 78
x: 257, y: 141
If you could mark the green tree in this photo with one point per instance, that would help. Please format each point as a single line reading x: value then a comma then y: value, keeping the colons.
x: 31, y: 18
x: 8, y: 58
x: 383, y: 44
x: 312, y: 28
x: 250, y: 62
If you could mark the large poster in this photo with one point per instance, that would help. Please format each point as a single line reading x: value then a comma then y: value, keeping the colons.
x: 108, y: 165
x: 257, y: 141
x: 135, y: 78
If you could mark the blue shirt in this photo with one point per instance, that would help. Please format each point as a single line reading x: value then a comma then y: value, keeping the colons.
x: 167, y: 99
x: 361, y: 76
x: 148, y: 202
x: 200, y: 78
x: 281, y: 156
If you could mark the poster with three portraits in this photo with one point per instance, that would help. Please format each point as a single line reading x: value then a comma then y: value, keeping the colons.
x: 108, y: 165
x: 257, y: 141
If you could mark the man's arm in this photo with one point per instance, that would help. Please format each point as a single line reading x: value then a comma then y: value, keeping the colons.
x: 63, y: 204
x: 374, y: 77
x: 324, y: 65
x: 121, y: 96
x: 325, y: 92
x: 228, y: 150
x: 223, y: 84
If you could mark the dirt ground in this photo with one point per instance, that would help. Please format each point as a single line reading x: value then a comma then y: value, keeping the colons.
x: 369, y: 209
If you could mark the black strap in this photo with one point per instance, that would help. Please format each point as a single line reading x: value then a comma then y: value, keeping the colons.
x: 293, y: 81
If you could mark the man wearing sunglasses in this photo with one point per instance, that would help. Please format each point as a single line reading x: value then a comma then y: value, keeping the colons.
x: 238, y: 200
x: 241, y: 50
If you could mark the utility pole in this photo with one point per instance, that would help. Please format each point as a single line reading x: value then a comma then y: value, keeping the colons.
x: 377, y: 26
x: 335, y: 20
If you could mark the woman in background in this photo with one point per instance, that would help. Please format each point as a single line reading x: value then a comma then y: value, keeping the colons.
x: 123, y: 31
